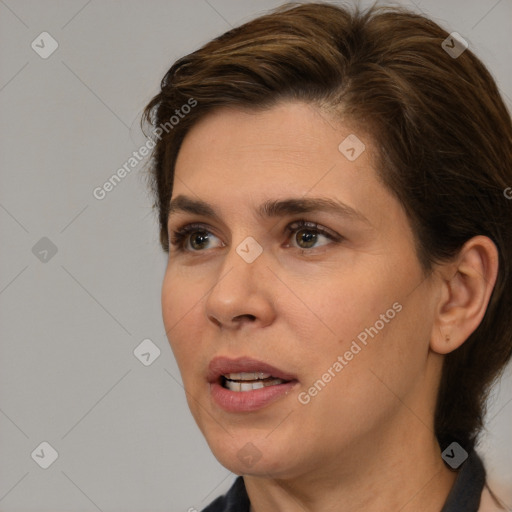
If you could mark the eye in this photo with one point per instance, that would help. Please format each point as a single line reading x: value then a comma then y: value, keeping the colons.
x: 191, y: 235
x: 307, y: 234
x: 196, y: 237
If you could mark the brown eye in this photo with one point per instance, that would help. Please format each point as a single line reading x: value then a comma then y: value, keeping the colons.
x: 198, y: 240
x: 307, y: 237
x: 193, y: 238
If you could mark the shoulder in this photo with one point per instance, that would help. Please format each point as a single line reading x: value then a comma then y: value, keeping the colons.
x: 489, y: 503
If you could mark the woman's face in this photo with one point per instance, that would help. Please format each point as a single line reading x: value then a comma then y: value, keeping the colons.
x: 299, y: 345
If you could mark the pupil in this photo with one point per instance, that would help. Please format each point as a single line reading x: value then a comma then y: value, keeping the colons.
x: 307, y: 237
x: 195, y: 237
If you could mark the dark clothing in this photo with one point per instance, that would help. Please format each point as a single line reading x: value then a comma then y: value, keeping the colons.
x: 464, y: 496
x: 235, y: 500
x: 466, y: 492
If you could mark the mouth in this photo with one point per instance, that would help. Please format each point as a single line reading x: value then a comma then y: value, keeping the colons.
x: 246, y: 384
x: 248, y: 381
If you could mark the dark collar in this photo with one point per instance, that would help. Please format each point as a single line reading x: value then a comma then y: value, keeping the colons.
x: 235, y: 500
x: 467, y: 490
x: 464, y: 496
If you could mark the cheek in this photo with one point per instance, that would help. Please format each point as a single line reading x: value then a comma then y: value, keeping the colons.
x: 181, y: 301
x: 368, y: 317
x: 181, y: 295
x: 374, y: 380
x: 387, y: 361
x: 170, y: 304
x: 171, y: 307
x: 351, y: 302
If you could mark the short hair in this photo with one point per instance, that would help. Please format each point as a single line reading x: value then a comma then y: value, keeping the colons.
x: 441, y: 132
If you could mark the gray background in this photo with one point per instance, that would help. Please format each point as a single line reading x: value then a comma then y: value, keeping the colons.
x: 70, y: 321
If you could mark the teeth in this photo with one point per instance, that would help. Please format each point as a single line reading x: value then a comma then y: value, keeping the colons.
x: 233, y: 386
x: 247, y: 376
x: 249, y: 386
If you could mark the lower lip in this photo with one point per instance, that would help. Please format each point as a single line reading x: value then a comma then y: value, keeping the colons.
x: 247, y: 401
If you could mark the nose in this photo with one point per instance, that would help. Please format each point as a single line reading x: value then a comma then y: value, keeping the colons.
x: 242, y: 294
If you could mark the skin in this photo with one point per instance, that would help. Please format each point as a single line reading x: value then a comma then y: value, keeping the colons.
x: 366, y: 440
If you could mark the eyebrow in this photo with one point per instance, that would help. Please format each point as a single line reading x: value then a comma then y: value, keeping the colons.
x: 270, y: 208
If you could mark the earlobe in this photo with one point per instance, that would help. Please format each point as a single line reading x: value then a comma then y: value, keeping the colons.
x: 467, y: 283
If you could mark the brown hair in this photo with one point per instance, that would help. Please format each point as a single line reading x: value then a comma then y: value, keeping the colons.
x: 442, y: 134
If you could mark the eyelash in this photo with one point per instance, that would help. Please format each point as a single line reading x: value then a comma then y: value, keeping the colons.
x: 179, y: 237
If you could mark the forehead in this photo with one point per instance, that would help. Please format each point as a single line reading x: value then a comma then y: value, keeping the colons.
x: 291, y: 142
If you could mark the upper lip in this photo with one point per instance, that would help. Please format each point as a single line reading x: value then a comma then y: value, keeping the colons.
x: 224, y: 365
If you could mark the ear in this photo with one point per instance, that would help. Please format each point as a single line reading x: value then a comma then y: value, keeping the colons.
x: 466, y: 286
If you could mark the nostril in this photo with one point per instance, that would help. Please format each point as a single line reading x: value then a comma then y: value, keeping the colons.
x: 237, y: 319
x: 250, y: 317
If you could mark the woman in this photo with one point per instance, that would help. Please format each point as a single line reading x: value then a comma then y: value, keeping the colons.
x: 331, y: 187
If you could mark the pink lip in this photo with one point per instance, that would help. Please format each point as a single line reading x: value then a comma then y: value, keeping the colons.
x: 246, y: 401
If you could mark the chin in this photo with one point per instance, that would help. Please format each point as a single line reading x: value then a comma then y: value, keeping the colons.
x: 250, y: 454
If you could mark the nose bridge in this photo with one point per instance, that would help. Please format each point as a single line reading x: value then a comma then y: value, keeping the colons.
x: 239, y: 289
x: 244, y: 256
x: 241, y: 267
